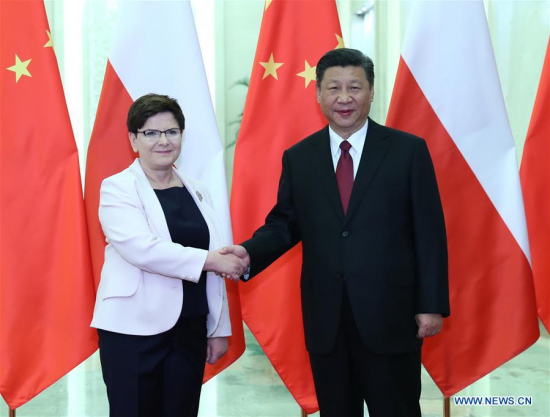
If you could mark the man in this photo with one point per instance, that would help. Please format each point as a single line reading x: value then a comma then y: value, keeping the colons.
x: 374, y: 276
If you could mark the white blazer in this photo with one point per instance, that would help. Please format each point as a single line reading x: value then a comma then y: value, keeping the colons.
x: 140, y: 291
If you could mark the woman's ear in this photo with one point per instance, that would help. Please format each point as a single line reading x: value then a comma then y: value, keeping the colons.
x: 133, y: 138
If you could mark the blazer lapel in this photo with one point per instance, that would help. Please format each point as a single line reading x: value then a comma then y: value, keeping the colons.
x: 325, y: 170
x: 374, y: 152
x: 151, y: 203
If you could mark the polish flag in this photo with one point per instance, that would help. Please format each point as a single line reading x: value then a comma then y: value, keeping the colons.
x: 156, y: 50
x: 447, y: 91
x: 535, y: 180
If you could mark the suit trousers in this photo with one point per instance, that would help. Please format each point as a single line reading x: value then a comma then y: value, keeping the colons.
x: 154, y: 376
x: 350, y: 374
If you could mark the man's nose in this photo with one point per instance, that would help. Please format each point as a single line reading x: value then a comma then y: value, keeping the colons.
x: 344, y: 96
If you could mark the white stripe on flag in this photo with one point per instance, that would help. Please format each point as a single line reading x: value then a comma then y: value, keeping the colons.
x: 457, y: 61
x: 157, y: 51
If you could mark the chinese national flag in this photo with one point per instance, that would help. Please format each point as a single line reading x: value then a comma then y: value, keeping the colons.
x: 281, y: 109
x: 458, y: 107
x: 46, y: 284
x: 535, y: 180
x: 169, y: 62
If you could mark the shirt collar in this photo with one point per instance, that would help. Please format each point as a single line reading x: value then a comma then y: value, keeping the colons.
x: 356, y: 140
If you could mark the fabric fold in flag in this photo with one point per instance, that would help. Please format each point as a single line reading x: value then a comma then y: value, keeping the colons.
x: 46, y: 283
x: 458, y: 107
x: 181, y: 76
x: 280, y: 110
x: 535, y: 181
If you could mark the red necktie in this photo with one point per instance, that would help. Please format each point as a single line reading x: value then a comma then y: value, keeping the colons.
x: 344, y: 174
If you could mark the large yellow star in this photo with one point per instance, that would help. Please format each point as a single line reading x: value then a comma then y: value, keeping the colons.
x: 271, y: 67
x: 20, y: 68
x: 340, y: 42
x: 308, y: 73
x: 49, y: 44
x: 267, y: 4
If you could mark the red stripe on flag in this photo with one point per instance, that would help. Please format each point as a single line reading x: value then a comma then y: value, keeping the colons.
x: 491, y: 293
x: 535, y: 181
x: 109, y: 152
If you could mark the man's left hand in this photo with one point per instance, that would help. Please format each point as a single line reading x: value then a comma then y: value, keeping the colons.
x: 428, y: 325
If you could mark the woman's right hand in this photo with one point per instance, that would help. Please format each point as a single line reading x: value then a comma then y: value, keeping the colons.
x: 225, y: 265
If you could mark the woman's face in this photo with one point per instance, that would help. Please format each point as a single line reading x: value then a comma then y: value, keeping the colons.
x: 157, y: 153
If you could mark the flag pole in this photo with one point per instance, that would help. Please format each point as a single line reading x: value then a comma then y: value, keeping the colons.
x: 304, y: 414
x: 12, y: 412
x: 446, y: 406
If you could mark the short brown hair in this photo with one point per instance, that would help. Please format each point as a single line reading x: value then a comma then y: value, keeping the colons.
x: 150, y: 104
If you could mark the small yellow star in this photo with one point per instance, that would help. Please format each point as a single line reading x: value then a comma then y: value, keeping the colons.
x: 20, y: 68
x: 340, y: 42
x: 271, y: 67
x: 267, y: 4
x: 49, y: 44
x: 308, y: 73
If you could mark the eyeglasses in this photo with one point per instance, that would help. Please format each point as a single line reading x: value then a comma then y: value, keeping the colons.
x: 154, y: 135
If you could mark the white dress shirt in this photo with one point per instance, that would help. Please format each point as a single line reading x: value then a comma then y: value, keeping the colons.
x: 357, y: 142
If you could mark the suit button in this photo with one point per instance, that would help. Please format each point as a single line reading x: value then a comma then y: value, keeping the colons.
x: 340, y: 276
x: 345, y: 233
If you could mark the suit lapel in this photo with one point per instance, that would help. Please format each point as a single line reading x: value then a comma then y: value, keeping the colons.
x: 374, y: 152
x: 325, y: 169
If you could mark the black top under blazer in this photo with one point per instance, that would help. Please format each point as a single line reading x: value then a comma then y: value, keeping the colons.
x: 389, y: 250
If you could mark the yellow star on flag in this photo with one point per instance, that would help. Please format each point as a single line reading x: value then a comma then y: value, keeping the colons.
x: 49, y: 44
x: 271, y: 67
x: 308, y: 73
x: 267, y: 4
x: 20, y: 68
x: 340, y: 42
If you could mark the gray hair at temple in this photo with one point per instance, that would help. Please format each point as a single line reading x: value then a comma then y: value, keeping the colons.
x: 345, y: 57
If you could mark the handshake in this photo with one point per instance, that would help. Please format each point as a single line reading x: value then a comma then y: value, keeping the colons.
x: 228, y: 262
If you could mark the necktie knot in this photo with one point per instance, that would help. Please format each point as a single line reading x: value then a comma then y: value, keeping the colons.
x: 345, y: 146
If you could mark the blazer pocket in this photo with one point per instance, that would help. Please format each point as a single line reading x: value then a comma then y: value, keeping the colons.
x: 118, y: 277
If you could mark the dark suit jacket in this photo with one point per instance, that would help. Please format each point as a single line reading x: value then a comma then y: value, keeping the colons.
x: 389, y: 250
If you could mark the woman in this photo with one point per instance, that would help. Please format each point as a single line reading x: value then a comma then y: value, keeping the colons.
x: 161, y: 311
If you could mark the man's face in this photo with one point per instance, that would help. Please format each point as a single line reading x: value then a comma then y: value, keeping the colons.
x: 345, y: 96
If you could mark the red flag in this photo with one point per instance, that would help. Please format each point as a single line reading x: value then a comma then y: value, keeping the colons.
x: 181, y: 76
x: 280, y: 110
x: 46, y: 284
x: 535, y: 180
x: 457, y: 106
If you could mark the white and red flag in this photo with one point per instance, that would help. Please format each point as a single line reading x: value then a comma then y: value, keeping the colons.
x: 156, y: 50
x: 535, y: 181
x: 447, y: 91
